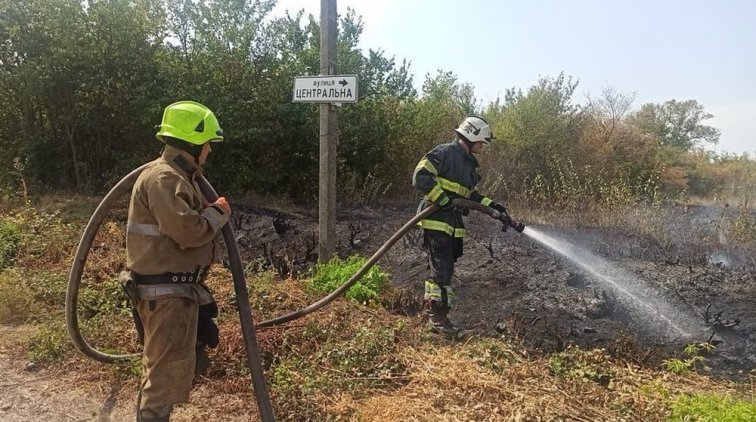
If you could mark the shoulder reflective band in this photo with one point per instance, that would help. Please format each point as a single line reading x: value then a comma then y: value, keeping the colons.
x: 425, y: 164
x: 486, y: 201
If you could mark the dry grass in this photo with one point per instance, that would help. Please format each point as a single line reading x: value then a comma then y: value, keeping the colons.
x: 446, y: 384
x: 345, y: 362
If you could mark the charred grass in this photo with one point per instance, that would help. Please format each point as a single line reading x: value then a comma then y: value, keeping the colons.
x: 349, y: 361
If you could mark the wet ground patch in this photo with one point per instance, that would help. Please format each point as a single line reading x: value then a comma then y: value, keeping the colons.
x: 693, y: 287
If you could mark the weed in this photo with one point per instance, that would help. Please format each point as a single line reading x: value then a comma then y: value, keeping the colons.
x: 49, y: 344
x: 16, y: 300
x: 492, y: 354
x: 743, y: 226
x: 704, y: 407
x: 693, y: 351
x: 336, y: 272
x: 590, y: 365
x: 332, y: 358
x: 47, y: 287
x: 10, y: 238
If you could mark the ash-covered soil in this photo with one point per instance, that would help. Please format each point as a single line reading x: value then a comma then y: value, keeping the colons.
x: 643, y: 297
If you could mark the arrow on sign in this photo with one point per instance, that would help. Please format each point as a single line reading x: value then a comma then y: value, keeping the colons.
x: 343, y: 82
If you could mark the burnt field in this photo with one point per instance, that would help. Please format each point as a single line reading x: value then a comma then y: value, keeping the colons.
x: 642, y: 290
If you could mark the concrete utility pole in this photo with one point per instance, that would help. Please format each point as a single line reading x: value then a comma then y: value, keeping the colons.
x: 328, y: 136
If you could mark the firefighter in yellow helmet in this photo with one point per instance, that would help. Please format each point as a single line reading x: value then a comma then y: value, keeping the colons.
x: 170, y: 245
x: 449, y: 171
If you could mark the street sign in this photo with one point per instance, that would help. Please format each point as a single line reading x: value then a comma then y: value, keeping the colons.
x: 325, y: 89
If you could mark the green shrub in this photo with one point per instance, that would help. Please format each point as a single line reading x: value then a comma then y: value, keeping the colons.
x: 704, y: 408
x: 10, y: 240
x: 329, y: 276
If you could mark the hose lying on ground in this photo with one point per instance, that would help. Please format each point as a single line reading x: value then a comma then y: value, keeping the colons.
x: 373, y: 259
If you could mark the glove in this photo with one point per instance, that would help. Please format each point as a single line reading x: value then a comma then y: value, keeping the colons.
x: 223, y: 204
x: 207, y: 330
x: 505, y: 221
x: 498, y: 206
x: 443, y: 201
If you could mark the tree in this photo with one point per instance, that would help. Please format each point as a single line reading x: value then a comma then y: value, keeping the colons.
x: 677, y: 124
x: 538, y: 131
x: 445, y: 88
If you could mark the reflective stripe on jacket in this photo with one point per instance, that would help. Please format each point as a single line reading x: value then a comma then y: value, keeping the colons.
x: 448, y: 169
x: 170, y: 228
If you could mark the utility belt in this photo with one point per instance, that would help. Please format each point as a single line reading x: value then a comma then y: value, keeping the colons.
x: 197, y: 276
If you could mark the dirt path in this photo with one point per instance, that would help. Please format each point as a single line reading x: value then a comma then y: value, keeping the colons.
x: 30, y: 394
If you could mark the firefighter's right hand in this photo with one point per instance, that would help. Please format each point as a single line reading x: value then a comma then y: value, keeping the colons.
x: 223, y: 204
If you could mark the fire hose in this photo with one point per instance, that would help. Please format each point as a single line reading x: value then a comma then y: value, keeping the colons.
x: 240, y: 286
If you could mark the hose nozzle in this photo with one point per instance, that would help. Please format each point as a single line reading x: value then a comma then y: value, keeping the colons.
x: 507, y: 221
x: 519, y: 227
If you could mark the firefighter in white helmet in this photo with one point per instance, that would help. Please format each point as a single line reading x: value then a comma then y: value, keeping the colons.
x: 449, y: 171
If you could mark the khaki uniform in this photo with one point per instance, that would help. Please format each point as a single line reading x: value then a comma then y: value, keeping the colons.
x: 170, y: 229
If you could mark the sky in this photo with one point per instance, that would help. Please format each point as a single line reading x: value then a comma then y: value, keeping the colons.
x: 657, y: 50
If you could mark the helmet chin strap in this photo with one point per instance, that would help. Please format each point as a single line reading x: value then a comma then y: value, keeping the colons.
x: 467, y: 143
x: 193, y: 150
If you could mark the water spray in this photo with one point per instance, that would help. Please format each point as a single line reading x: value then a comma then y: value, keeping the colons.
x: 620, y: 281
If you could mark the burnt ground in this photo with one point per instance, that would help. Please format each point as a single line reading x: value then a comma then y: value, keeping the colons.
x: 642, y: 297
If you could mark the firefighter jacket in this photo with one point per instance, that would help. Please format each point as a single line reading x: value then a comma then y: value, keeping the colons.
x: 171, y: 228
x: 447, y: 169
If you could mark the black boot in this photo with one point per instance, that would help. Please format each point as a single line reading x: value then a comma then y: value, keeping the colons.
x: 202, y: 361
x: 150, y: 417
x: 439, y: 321
x: 165, y: 418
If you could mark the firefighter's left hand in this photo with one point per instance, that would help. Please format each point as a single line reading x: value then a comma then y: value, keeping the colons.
x: 498, y: 206
x: 221, y: 202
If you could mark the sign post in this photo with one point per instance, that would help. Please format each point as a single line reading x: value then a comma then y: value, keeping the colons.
x: 328, y: 90
x: 328, y: 131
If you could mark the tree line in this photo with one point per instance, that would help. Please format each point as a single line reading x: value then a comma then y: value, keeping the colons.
x: 84, y: 84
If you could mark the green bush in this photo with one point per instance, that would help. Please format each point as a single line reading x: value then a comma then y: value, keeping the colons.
x: 329, y: 276
x: 10, y: 240
x: 704, y: 408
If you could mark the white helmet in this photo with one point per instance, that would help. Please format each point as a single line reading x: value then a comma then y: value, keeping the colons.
x: 475, y: 129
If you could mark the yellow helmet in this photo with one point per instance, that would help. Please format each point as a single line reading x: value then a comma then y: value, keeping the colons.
x: 190, y: 122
